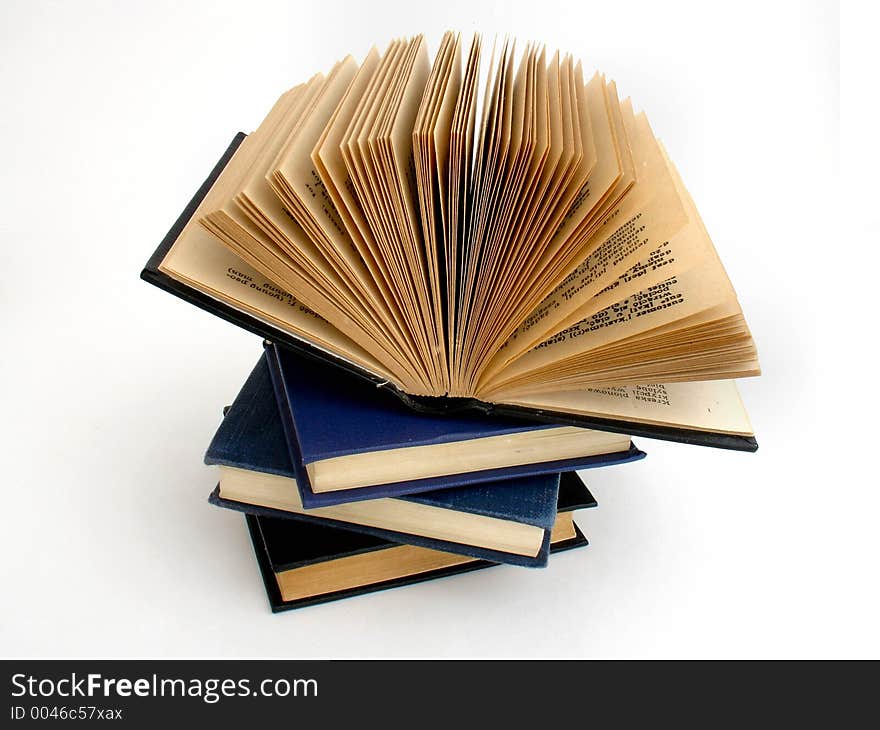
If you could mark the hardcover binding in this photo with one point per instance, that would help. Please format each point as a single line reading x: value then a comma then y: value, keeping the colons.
x: 426, y: 404
x: 278, y: 604
x: 495, y: 556
x: 573, y: 495
x: 311, y: 499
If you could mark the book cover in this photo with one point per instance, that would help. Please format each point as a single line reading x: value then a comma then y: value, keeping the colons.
x: 276, y: 549
x: 573, y: 495
x: 326, y: 415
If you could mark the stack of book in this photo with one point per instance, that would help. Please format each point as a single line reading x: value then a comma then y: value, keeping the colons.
x: 348, y: 490
x: 460, y: 310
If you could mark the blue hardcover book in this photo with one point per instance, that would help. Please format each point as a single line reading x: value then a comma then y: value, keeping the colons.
x: 505, y: 522
x: 350, y: 441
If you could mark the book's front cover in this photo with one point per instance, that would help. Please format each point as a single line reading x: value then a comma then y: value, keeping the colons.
x: 335, y: 415
x: 332, y: 407
x: 278, y: 604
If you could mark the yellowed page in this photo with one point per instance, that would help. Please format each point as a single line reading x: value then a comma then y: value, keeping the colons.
x: 257, y: 229
x: 571, y: 244
x: 199, y: 260
x: 655, y: 215
x: 513, y: 163
x: 329, y: 163
x: 537, y: 199
x: 442, y: 129
x: 461, y: 146
x: 568, y: 105
x: 361, y: 169
x: 492, y: 452
x: 381, y: 188
x: 296, y: 183
x: 399, y: 146
x: 690, y: 293
x: 431, y: 146
x: 499, y: 146
x: 705, y: 406
x: 688, y: 248
x: 328, y: 160
x: 298, y: 171
x: 607, y: 169
x: 502, y: 318
x: 399, y: 515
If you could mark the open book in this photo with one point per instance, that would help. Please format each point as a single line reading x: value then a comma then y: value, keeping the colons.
x: 530, y: 249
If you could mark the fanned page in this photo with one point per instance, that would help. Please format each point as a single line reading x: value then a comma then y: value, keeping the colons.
x: 517, y: 235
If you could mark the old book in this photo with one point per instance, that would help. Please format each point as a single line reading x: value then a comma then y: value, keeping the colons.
x: 529, y: 250
x: 305, y: 564
x: 349, y: 443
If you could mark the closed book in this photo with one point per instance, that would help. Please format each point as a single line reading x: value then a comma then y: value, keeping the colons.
x: 303, y: 564
x: 505, y: 522
x: 350, y: 442
x: 682, y: 412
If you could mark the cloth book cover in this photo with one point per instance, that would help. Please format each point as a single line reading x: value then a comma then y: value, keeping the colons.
x: 326, y: 414
x: 153, y: 275
x: 281, y: 545
x: 573, y: 495
x: 251, y: 437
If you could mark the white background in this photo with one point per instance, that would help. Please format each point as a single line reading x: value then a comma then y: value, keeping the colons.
x: 113, y: 113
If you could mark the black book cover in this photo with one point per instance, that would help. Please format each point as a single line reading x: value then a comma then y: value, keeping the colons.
x: 426, y: 404
x: 275, y: 551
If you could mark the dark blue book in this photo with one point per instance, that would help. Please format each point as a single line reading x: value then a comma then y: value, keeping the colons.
x: 506, y: 522
x: 350, y: 441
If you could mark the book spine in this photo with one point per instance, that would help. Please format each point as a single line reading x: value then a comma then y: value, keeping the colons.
x: 285, y: 409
